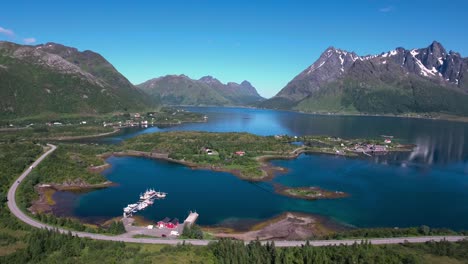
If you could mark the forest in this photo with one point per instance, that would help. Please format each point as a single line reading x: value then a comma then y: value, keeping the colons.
x: 48, y: 246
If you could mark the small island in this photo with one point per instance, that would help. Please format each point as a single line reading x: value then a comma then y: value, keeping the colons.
x: 246, y: 155
x: 309, y: 193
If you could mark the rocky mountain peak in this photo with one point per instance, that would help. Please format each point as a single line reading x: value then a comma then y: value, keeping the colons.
x: 206, y: 78
x: 454, y: 53
x: 331, y: 65
x: 437, y: 49
x: 432, y: 63
x: 209, y: 79
x: 58, y: 49
x: 330, y: 49
x: 52, y: 45
x: 334, y: 52
x: 246, y: 83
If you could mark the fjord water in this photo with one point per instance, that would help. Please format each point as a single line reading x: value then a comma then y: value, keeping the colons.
x: 428, y: 186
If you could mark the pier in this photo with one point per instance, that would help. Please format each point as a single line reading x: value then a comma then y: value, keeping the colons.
x: 191, y: 219
x: 146, y: 200
x: 161, y: 229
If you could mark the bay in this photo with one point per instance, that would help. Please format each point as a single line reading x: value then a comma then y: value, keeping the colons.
x: 428, y: 186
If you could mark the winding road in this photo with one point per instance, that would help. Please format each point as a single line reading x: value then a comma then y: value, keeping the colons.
x: 32, y: 222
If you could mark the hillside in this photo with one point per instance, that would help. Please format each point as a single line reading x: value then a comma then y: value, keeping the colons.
x: 238, y: 94
x: 55, y: 79
x: 422, y: 80
x: 181, y: 90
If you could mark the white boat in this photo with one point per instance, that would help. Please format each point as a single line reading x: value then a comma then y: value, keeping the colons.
x: 146, y: 199
x: 148, y: 194
x: 142, y: 206
x: 161, y: 194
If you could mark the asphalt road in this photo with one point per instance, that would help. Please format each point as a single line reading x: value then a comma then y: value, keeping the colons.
x: 32, y: 222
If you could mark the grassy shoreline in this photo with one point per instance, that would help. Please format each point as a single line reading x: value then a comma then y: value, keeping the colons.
x: 425, y: 116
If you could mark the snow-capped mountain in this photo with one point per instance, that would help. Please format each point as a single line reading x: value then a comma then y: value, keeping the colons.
x: 399, y: 70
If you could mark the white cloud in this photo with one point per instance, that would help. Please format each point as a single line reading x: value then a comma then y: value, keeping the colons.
x: 7, y: 32
x: 11, y: 34
x: 386, y: 9
x: 29, y: 40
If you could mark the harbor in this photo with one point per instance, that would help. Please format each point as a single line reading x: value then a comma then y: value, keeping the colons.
x: 146, y: 199
x: 165, y: 228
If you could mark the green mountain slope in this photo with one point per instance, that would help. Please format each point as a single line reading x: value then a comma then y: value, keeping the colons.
x: 410, y: 96
x: 54, y: 79
x: 181, y: 90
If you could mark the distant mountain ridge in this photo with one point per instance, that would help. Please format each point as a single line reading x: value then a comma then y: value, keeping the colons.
x: 53, y: 78
x: 417, y: 80
x: 182, y: 90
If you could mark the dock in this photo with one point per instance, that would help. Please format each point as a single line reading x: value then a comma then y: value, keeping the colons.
x: 191, y: 219
x: 163, y: 228
x: 146, y: 200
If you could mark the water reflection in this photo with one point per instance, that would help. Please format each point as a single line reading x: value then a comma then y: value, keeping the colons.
x: 438, y: 141
x: 440, y: 148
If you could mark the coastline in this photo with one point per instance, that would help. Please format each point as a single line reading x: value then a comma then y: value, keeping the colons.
x: 434, y: 116
x: 268, y: 170
x: 191, y: 165
x: 441, y: 117
x: 116, y: 130
x: 45, y: 202
x: 286, y: 226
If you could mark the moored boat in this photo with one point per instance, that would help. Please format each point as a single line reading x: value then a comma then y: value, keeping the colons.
x: 161, y: 194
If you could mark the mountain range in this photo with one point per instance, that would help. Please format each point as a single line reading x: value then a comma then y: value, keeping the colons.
x: 182, y: 90
x: 52, y: 80
x: 399, y: 81
x: 55, y: 79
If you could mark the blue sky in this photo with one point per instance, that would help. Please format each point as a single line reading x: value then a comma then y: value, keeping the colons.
x: 265, y: 42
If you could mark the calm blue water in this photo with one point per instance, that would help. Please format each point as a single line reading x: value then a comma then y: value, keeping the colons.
x: 428, y: 186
